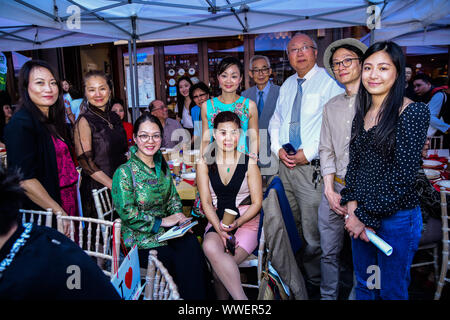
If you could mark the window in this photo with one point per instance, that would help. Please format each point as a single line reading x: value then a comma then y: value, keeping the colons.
x: 273, y: 46
x: 179, y: 60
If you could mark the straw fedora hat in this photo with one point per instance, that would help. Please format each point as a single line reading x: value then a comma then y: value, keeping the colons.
x: 329, y: 51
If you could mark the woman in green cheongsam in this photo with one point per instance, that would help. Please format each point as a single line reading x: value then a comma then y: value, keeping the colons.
x: 147, y: 202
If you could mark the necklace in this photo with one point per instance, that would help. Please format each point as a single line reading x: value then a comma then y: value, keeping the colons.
x: 20, y: 242
x: 109, y: 123
x: 372, y: 117
x: 229, y: 166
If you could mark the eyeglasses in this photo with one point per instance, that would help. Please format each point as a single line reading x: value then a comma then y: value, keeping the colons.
x: 302, y: 49
x: 261, y: 71
x: 146, y: 137
x: 200, y: 96
x: 346, y: 63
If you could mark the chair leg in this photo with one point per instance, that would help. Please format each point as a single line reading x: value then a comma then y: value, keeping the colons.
x: 441, y: 281
x: 436, y: 265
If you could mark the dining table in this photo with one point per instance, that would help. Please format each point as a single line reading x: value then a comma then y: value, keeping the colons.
x: 185, y: 185
x: 436, y: 168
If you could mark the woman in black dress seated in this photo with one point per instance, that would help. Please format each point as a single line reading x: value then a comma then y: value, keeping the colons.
x: 231, y: 180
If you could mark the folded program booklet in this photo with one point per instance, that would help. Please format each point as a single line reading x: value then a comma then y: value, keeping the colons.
x: 177, y: 231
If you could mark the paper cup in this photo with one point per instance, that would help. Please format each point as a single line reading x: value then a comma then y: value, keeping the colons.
x: 191, y: 156
x: 165, y: 155
x: 176, y: 168
x: 228, y: 217
x: 171, y: 154
x: 194, y: 155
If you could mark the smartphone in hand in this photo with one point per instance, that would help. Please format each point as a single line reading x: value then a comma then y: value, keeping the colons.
x: 231, y: 244
x: 289, y: 148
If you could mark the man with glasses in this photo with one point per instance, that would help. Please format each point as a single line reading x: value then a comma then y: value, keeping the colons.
x: 174, y: 133
x: 265, y: 94
x: 297, y: 120
x: 342, y: 60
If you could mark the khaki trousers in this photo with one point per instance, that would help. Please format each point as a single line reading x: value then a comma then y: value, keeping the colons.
x: 304, y: 201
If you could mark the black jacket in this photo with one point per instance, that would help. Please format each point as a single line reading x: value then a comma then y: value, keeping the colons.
x: 30, y: 148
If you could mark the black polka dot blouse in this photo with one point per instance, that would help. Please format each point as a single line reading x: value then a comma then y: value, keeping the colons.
x: 383, y: 185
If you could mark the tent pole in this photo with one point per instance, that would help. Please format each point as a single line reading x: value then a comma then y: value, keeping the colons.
x: 136, y: 77
x: 131, y: 76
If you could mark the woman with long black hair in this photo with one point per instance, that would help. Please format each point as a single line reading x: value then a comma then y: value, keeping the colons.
x: 184, y: 103
x: 37, y: 142
x: 388, y: 134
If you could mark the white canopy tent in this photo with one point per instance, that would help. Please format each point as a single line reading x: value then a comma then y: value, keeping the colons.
x: 76, y: 22
x: 18, y: 35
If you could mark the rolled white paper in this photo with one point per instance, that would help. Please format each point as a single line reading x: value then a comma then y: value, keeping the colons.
x: 379, y: 243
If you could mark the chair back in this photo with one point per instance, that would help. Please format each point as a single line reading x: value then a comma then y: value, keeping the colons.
x: 3, y: 160
x: 279, y: 243
x: 445, y: 222
x: 38, y: 217
x: 436, y: 142
x: 255, y: 261
x: 98, y: 238
x: 444, y: 213
x: 445, y: 246
x: 103, y: 204
x: 160, y: 285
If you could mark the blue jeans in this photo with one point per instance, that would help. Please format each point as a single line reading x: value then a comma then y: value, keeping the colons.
x: 387, y: 277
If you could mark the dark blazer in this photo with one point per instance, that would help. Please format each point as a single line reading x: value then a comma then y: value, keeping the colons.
x: 268, y: 161
x: 269, y: 104
x: 30, y: 148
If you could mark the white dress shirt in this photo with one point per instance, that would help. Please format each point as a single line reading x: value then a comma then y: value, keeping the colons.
x: 318, y: 88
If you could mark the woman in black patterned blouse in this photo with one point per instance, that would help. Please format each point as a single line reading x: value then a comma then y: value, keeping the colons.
x: 388, y: 134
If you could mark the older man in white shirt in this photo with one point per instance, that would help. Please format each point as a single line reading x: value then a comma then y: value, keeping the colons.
x: 297, y: 120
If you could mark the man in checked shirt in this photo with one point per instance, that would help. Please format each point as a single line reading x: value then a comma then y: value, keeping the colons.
x: 342, y: 60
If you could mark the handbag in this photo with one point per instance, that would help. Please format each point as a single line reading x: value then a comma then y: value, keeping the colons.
x: 270, y: 287
x: 429, y: 197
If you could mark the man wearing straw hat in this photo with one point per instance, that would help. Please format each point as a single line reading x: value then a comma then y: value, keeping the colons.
x: 342, y: 60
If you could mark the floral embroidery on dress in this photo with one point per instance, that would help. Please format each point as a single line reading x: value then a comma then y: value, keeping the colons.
x: 151, y: 181
x: 241, y: 110
x: 142, y: 207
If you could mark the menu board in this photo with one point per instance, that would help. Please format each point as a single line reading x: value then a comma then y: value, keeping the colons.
x: 146, y: 80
